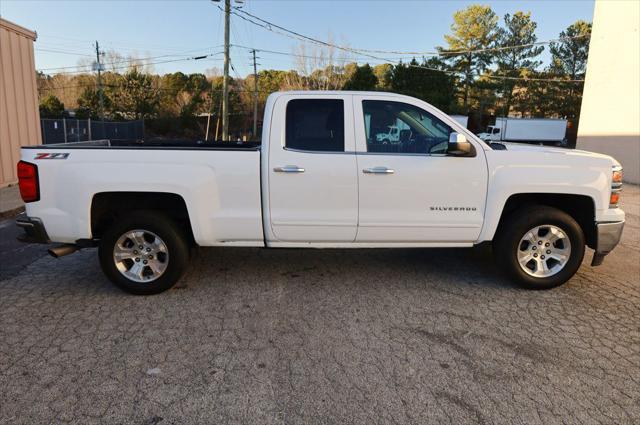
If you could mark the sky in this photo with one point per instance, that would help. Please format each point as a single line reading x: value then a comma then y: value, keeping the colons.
x: 175, y: 30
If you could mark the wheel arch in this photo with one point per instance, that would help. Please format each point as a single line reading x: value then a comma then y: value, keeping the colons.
x: 106, y: 207
x: 581, y: 208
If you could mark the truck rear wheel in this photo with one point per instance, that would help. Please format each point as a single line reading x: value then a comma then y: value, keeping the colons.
x: 540, y: 247
x: 144, y: 253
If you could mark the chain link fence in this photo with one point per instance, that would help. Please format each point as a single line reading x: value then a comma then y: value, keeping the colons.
x: 68, y: 130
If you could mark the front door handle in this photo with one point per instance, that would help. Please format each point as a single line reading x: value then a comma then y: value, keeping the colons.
x: 378, y: 170
x: 289, y: 169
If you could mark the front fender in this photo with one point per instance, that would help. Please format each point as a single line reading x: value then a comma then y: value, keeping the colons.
x: 514, y: 172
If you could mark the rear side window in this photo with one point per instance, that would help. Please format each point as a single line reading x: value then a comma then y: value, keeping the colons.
x: 315, y: 125
x: 396, y: 127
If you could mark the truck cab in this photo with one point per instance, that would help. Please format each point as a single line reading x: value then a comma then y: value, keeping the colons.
x: 492, y: 134
x: 392, y: 136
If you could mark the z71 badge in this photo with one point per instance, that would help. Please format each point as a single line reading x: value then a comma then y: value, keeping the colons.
x: 52, y: 156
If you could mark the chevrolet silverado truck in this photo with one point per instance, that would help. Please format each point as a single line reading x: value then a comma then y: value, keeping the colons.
x: 320, y: 178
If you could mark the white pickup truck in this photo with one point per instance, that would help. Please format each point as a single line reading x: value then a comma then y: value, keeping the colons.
x: 321, y: 179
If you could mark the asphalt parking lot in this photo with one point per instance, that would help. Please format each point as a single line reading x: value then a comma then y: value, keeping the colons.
x: 326, y: 337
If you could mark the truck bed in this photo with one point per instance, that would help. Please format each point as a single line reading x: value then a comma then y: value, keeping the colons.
x: 219, y: 183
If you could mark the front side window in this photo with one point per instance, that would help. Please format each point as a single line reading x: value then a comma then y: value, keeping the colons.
x: 496, y: 130
x: 315, y: 125
x: 398, y: 127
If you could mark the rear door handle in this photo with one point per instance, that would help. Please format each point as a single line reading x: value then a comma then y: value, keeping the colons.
x: 378, y: 170
x: 289, y: 169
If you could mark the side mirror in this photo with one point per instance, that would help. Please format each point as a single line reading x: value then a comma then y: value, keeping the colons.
x: 460, y: 146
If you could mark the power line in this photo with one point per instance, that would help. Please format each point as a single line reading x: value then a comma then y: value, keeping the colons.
x: 384, y: 60
x: 128, y: 44
x: 162, y: 89
x: 124, y: 60
x: 555, y: 80
x: 351, y: 50
x: 269, y: 26
x: 439, y: 52
x: 132, y: 65
x: 62, y: 52
x: 298, y: 55
x: 292, y: 34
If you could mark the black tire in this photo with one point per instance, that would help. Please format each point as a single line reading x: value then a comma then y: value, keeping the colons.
x: 157, y: 223
x: 507, y: 244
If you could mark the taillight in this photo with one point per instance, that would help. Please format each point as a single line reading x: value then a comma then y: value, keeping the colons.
x: 28, y: 181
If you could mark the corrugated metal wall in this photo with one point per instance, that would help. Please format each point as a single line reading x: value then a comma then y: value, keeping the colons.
x: 19, y: 114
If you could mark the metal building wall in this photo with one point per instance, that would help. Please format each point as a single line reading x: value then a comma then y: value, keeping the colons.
x: 19, y: 114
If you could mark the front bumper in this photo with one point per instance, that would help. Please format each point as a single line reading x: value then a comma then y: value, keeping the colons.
x: 608, y: 235
x: 34, y: 231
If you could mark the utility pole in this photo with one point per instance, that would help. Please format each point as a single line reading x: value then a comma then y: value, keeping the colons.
x: 99, y: 66
x: 100, y: 95
x: 255, y: 95
x: 225, y: 79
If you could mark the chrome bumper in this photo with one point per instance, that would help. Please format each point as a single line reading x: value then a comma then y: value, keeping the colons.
x: 608, y: 235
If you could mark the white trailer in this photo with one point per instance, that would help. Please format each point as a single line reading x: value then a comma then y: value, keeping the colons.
x: 526, y: 130
x: 463, y: 120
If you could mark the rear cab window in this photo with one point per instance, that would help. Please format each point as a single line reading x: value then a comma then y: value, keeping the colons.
x: 315, y: 125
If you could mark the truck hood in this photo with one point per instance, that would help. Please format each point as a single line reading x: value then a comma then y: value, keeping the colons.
x: 526, y: 148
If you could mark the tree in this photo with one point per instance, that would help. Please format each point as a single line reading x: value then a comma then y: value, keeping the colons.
x: 51, y: 107
x: 536, y: 98
x: 473, y: 28
x: 515, y: 62
x: 193, y: 95
x: 383, y: 74
x: 137, y: 95
x: 171, y: 85
x: 424, y: 81
x: 363, y: 78
x: 569, y: 56
x: 569, y: 61
x: 89, y: 103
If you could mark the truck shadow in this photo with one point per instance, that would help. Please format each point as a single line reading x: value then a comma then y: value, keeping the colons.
x: 332, y: 269
x: 414, y: 267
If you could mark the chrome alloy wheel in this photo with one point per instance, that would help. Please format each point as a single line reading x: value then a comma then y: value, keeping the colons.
x: 544, y: 250
x: 141, y: 256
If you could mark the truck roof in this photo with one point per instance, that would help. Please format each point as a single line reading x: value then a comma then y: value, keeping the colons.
x: 338, y: 92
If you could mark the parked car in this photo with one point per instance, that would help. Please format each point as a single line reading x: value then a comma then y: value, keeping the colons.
x: 321, y: 179
x: 531, y: 130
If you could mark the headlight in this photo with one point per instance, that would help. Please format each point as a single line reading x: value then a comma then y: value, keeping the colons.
x: 616, y: 186
x: 617, y: 176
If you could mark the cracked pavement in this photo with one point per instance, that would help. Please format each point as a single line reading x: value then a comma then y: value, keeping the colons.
x: 321, y: 337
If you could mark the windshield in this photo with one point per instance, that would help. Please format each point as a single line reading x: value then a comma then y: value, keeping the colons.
x: 490, y: 129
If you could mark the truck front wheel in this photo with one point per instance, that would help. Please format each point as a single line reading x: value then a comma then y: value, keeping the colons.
x: 540, y: 247
x: 144, y: 253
